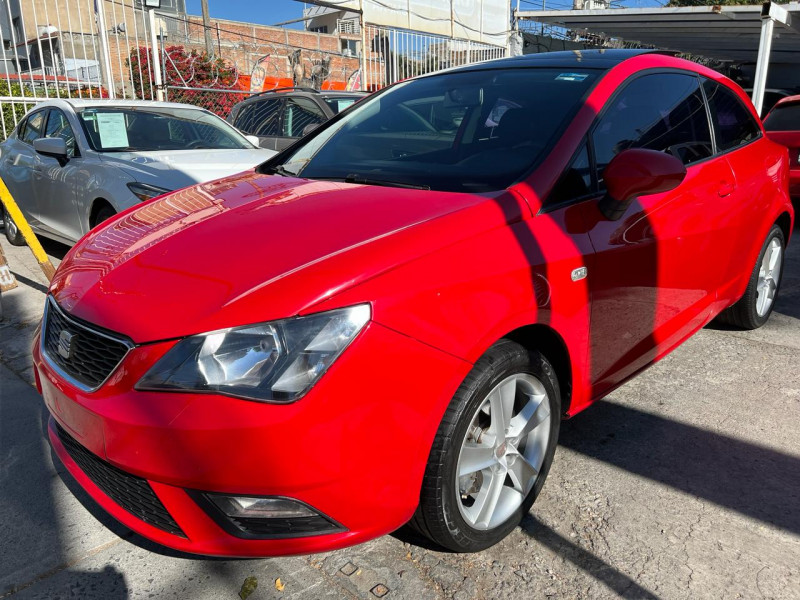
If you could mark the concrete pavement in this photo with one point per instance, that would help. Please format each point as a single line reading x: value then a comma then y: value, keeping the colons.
x: 684, y: 483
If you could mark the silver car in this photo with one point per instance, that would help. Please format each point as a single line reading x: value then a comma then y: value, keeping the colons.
x: 71, y: 164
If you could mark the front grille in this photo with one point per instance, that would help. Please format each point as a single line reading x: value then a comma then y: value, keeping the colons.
x: 132, y: 493
x: 82, y: 352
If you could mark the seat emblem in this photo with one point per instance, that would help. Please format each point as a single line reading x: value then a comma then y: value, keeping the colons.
x: 65, y: 346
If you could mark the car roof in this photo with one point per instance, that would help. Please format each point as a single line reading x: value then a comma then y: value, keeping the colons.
x: 80, y: 103
x: 787, y: 100
x: 597, y: 59
x: 342, y: 93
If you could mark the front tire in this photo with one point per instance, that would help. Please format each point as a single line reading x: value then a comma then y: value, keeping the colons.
x: 754, y: 308
x: 492, y: 452
x: 13, y: 234
x: 104, y: 214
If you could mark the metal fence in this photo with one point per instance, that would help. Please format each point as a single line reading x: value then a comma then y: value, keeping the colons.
x: 392, y: 55
x: 117, y: 49
x: 53, y: 49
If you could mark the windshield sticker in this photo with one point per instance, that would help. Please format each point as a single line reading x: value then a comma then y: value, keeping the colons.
x: 112, y: 129
x: 572, y: 76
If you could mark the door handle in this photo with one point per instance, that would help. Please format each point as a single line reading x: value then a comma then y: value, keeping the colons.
x: 725, y: 189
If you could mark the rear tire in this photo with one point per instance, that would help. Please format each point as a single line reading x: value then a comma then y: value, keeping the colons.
x: 485, y: 471
x: 755, y: 307
x: 13, y: 234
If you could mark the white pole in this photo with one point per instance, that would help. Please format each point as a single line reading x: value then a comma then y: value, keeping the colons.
x: 106, y: 57
x: 155, y: 61
x: 764, y: 48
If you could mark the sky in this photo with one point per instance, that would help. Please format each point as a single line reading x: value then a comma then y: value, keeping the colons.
x: 271, y: 12
x: 263, y: 12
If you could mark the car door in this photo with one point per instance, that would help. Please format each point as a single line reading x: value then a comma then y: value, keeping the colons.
x: 298, y: 113
x: 654, y: 275
x: 739, y: 141
x: 261, y: 118
x: 18, y: 161
x: 55, y: 184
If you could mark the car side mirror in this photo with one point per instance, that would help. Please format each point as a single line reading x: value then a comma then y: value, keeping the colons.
x: 54, y: 147
x: 253, y: 139
x: 308, y: 129
x: 638, y: 172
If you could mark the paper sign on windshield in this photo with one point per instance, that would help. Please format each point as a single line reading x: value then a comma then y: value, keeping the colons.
x: 112, y: 129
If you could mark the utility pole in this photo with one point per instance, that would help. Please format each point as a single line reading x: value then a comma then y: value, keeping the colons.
x: 207, y: 28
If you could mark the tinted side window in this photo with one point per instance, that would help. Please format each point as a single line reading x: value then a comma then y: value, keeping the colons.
x: 58, y: 126
x: 576, y: 182
x: 663, y: 112
x: 733, y: 123
x: 34, y: 127
x: 783, y: 118
x: 259, y: 118
x: 299, y: 114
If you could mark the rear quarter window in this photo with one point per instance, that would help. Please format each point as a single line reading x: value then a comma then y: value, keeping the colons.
x: 734, y: 125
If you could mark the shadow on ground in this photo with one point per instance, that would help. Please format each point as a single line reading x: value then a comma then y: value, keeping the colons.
x: 752, y: 480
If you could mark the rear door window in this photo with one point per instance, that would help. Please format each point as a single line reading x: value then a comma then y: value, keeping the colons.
x: 260, y: 118
x: 662, y: 111
x: 734, y: 125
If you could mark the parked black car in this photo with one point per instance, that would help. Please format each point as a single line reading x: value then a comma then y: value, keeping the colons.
x: 279, y: 117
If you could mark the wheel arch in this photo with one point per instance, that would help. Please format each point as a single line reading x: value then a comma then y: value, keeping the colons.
x: 784, y: 221
x: 549, y: 342
x: 97, y: 204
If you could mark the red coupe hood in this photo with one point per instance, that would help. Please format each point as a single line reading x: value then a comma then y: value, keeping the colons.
x: 240, y: 250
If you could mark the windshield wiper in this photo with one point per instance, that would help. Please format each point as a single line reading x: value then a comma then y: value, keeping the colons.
x: 280, y: 170
x: 352, y: 178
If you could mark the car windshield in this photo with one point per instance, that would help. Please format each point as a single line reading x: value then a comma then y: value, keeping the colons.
x: 338, y: 103
x: 471, y: 131
x: 783, y: 118
x: 129, y: 129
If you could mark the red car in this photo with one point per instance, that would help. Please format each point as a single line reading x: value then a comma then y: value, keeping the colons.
x: 782, y: 125
x: 387, y: 321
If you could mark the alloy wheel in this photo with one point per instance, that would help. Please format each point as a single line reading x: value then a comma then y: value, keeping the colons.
x: 769, y: 276
x: 503, y: 451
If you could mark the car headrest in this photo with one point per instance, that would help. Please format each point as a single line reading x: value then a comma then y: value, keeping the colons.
x: 516, y: 123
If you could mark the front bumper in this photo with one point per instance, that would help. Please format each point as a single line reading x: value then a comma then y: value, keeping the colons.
x: 354, y: 448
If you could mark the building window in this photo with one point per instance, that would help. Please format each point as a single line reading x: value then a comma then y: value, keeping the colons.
x: 350, y: 47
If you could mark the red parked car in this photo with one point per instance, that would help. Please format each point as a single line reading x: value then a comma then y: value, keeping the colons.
x: 387, y: 321
x: 782, y: 125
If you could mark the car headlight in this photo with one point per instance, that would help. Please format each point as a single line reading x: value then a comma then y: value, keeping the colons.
x: 145, y: 191
x: 277, y: 361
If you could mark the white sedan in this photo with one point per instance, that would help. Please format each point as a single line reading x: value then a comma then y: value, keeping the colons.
x: 71, y: 164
